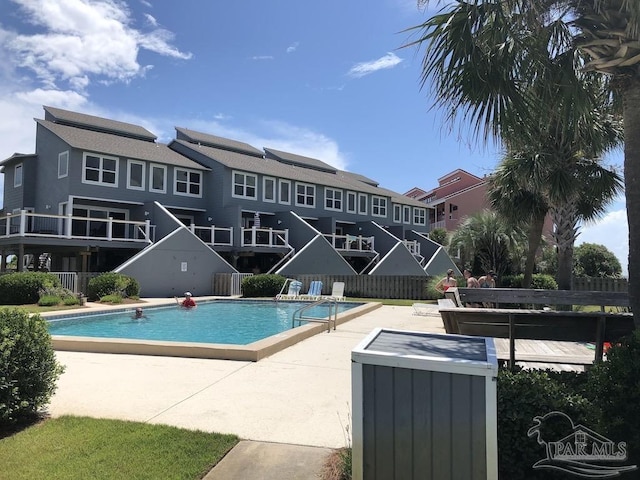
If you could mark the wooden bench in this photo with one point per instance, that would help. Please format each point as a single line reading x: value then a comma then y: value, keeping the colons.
x: 537, y: 324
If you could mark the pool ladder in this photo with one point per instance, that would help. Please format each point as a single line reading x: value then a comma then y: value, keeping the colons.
x: 299, y: 315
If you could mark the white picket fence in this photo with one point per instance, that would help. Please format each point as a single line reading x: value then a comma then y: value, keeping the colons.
x: 236, y: 282
x: 69, y: 280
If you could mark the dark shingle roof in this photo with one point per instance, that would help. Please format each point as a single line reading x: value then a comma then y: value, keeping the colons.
x: 275, y: 168
x: 117, y: 145
x: 81, y: 120
x: 217, y: 142
x: 293, y: 159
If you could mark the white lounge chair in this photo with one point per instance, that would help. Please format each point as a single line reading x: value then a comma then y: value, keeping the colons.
x: 293, y: 291
x: 337, y: 292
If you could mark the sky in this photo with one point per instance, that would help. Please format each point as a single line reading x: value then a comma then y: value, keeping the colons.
x: 328, y: 80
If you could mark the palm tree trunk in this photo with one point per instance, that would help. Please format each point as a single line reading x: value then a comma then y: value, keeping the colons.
x: 631, y: 98
x: 565, y: 218
x: 534, y: 239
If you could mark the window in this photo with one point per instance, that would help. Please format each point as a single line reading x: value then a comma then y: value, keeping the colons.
x: 100, y: 170
x: 244, y: 185
x: 305, y: 195
x: 378, y: 206
x: 63, y: 164
x: 419, y: 216
x: 362, y: 204
x: 397, y: 213
x: 285, y: 191
x: 406, y: 214
x: 17, y: 176
x: 135, y: 175
x: 269, y: 189
x: 158, y: 179
x: 351, y: 202
x: 332, y: 199
x: 187, y: 182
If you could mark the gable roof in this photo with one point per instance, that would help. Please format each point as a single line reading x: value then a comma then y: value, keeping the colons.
x: 99, y: 124
x: 16, y: 156
x: 217, y: 142
x: 293, y: 159
x: 272, y: 167
x: 110, y: 144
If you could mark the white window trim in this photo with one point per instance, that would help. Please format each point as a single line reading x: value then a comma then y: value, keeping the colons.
x: 355, y: 202
x: 143, y: 176
x: 333, y: 200
x: 366, y: 203
x: 62, y: 155
x: 280, y: 200
x: 273, y: 189
x: 416, y: 219
x: 397, y: 213
x: 175, y: 182
x: 382, y: 205
x: 313, y: 195
x: 18, y: 180
x: 246, y: 175
x: 406, y: 219
x: 101, y: 170
x: 153, y: 167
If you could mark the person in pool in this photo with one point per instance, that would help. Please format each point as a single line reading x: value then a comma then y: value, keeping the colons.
x: 139, y: 314
x: 188, y: 301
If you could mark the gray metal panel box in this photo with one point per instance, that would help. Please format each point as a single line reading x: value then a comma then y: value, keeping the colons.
x: 424, y: 407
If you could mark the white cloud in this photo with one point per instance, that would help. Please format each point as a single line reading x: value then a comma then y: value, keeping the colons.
x: 262, y: 57
x: 293, y: 47
x: 151, y: 19
x: 611, y: 231
x: 79, y: 40
x: 390, y: 60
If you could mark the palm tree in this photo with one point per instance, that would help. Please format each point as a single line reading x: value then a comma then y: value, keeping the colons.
x: 483, y: 56
x: 485, y: 236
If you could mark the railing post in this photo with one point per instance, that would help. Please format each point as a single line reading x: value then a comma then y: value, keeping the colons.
x: 23, y: 222
x: 286, y: 236
x: 147, y: 230
x: 8, y: 225
x: 253, y: 236
x: 110, y: 228
x: 68, y: 230
x: 231, y: 236
x: 213, y: 235
x: 270, y: 236
x: 372, y: 248
x: 192, y: 227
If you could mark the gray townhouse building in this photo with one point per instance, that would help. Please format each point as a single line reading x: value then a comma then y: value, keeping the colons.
x: 102, y: 195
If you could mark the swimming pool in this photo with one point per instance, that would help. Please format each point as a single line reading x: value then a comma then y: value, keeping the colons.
x: 226, y: 329
x: 229, y: 322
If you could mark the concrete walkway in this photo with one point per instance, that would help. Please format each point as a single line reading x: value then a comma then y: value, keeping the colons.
x: 297, y: 398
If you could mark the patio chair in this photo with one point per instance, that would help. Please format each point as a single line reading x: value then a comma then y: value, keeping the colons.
x: 293, y: 291
x: 337, y: 292
x: 315, y: 291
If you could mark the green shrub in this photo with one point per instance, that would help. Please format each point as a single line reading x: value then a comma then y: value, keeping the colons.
x: 266, y: 285
x: 23, y: 288
x: 523, y: 395
x: 112, y: 283
x: 538, y: 280
x: 615, y: 386
x: 28, y: 368
x: 112, y: 298
x: 68, y: 301
x: 49, y: 300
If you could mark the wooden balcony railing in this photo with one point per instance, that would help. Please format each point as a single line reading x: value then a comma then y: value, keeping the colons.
x: 27, y: 224
x: 351, y: 242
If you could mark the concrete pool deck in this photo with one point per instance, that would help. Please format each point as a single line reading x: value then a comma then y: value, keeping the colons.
x: 300, y: 395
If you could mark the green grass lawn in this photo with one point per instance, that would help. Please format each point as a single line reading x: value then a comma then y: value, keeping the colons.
x: 80, y: 447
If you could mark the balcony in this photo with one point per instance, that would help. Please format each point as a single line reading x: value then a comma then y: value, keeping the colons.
x: 413, y: 246
x: 214, y: 236
x: 264, y: 237
x: 27, y: 224
x: 350, y: 243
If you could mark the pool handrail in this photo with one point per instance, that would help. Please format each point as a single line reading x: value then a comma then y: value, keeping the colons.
x: 333, y: 312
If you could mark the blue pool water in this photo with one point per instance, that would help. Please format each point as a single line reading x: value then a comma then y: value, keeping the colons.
x: 229, y: 322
